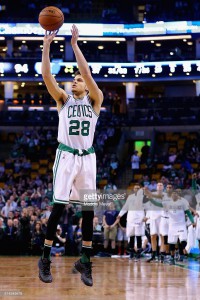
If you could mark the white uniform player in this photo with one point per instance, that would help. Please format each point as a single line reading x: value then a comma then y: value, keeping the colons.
x: 164, y: 222
x: 75, y: 163
x: 177, y: 207
x: 135, y: 220
x: 177, y: 220
x: 134, y: 206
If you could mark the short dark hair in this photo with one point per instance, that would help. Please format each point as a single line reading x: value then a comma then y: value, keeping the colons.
x: 77, y: 73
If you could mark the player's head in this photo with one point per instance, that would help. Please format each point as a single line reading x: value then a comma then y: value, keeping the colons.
x: 160, y: 187
x: 79, y: 86
x: 175, y: 196
x: 136, y: 188
x: 169, y: 188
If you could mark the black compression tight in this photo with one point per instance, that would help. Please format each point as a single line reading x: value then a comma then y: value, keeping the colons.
x: 132, y: 242
x: 87, y: 225
x: 53, y: 221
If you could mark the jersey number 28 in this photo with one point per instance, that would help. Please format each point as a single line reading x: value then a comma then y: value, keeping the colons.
x: 76, y: 127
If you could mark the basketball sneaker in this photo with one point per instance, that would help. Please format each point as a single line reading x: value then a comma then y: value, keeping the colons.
x: 162, y: 259
x: 180, y: 258
x: 86, y: 272
x: 171, y: 261
x: 152, y: 259
x: 44, y: 270
x: 131, y: 256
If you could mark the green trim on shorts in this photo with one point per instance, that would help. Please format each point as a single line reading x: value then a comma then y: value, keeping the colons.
x: 79, y: 152
x: 56, y: 166
x: 60, y: 201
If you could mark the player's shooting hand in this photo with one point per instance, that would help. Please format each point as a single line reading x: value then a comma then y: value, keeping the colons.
x: 75, y: 35
x: 49, y: 36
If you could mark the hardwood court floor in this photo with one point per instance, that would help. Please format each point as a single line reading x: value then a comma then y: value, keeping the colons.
x: 114, y: 279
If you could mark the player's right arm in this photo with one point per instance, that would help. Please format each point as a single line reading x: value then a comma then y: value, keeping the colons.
x: 58, y: 94
x: 125, y: 208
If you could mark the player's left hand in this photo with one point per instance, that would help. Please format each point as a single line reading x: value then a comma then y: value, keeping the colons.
x: 75, y: 34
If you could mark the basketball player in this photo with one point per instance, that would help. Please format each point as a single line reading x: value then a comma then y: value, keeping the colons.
x: 75, y: 162
x: 135, y: 220
x: 154, y: 214
x: 177, y: 207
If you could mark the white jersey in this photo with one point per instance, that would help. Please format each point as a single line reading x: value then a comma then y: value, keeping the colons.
x: 77, y: 122
x: 176, y: 210
x: 134, y: 207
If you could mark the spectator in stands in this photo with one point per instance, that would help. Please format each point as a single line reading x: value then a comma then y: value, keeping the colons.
x: 110, y: 187
x: 22, y: 203
x: 58, y: 247
x: 2, y: 233
x: 98, y: 236
x: 187, y: 165
x: 36, y: 197
x: 44, y: 203
x: 6, y: 209
x: 10, y: 237
x: 37, y: 240
x: 49, y: 191
x: 2, y: 202
x: 44, y: 225
x: 135, y: 162
x: 47, y: 212
x: 67, y: 220
x: 26, y: 165
x: 78, y: 238
x: 24, y: 232
x: 152, y: 186
x: 110, y: 227
x: 172, y: 157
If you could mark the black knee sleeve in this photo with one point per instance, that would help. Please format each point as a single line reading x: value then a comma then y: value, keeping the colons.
x: 53, y: 220
x: 139, y: 242
x: 87, y: 225
x: 171, y: 247
x: 166, y: 240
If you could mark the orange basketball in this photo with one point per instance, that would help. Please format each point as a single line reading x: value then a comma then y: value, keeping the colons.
x: 51, y: 18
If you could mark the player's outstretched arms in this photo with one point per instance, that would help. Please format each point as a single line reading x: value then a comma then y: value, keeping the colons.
x: 95, y: 93
x: 58, y: 94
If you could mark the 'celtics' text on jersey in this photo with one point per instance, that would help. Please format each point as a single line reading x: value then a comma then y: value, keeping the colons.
x: 77, y: 122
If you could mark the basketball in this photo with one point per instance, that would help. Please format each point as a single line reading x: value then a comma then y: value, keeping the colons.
x: 51, y: 18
